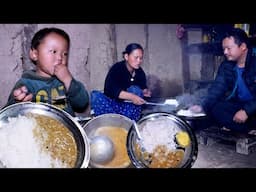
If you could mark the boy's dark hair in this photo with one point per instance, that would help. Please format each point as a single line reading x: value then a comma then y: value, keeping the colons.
x: 239, y: 36
x: 41, y: 34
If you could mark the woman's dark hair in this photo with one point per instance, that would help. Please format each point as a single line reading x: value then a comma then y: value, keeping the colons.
x: 129, y: 48
x: 41, y: 34
x: 239, y: 36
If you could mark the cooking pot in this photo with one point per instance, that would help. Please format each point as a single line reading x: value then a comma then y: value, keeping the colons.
x: 109, y: 120
x: 23, y: 108
x: 189, y: 151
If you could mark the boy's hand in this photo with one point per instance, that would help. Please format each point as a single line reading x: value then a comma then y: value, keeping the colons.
x: 63, y: 74
x: 21, y: 94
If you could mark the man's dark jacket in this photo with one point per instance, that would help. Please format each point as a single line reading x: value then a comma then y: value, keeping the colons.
x: 223, y: 87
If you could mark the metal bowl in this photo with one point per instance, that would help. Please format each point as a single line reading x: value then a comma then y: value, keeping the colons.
x: 79, y: 135
x: 106, y: 120
x: 190, y: 151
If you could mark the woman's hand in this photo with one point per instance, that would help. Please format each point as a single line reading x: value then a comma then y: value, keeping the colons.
x: 146, y: 93
x: 21, y: 94
x: 137, y: 100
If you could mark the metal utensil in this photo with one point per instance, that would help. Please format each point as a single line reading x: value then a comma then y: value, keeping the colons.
x: 150, y: 103
x: 102, y: 149
x: 59, y: 99
x: 139, y: 136
x: 137, y: 130
x: 82, y: 120
x: 158, y: 104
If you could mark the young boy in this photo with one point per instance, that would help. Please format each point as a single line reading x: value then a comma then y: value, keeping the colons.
x: 51, y: 79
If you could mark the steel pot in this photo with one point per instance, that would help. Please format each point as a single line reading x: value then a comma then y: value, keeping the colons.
x: 190, y: 151
x: 107, y: 120
x: 23, y: 108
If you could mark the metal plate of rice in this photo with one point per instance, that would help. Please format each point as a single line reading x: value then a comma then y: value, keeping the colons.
x: 167, y: 142
x: 49, y: 114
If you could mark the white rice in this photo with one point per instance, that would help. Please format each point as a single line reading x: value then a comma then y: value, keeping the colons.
x: 159, y: 132
x: 20, y: 149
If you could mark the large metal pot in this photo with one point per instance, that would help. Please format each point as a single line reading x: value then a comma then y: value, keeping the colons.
x: 23, y: 108
x: 107, y: 120
x: 190, y: 151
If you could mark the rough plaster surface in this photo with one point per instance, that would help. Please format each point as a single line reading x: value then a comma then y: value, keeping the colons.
x: 195, y: 60
x: 10, y: 57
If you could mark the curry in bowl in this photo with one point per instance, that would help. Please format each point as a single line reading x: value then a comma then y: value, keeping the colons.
x: 115, y: 127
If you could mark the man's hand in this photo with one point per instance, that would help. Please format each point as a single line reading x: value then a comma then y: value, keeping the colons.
x: 240, y: 116
x: 196, y: 109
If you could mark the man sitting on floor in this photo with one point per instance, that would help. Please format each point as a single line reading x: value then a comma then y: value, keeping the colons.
x: 231, y: 99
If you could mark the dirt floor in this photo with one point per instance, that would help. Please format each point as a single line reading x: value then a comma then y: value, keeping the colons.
x: 219, y: 154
